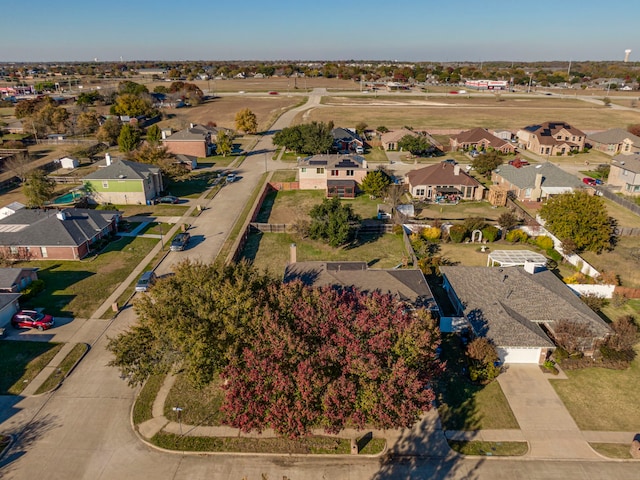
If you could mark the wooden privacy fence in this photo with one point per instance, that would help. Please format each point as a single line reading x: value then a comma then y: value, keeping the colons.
x: 270, y: 227
x: 620, y: 200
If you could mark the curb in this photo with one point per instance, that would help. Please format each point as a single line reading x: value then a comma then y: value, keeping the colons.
x: 73, y: 367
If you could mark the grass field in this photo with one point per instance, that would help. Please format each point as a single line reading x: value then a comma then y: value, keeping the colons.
x: 624, y: 260
x: 20, y: 362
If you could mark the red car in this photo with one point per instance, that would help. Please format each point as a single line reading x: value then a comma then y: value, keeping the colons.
x: 273, y: 93
x: 589, y: 181
x: 32, y: 319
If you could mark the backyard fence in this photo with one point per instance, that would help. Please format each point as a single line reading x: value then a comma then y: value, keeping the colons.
x: 270, y: 227
x: 606, y: 193
x: 65, y: 179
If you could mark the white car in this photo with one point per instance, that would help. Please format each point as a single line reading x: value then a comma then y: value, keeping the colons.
x: 231, y: 178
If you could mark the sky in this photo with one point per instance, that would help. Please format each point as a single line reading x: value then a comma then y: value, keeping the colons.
x: 408, y: 31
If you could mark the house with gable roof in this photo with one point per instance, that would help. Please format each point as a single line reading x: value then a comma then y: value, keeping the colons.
x: 444, y: 183
x: 339, y: 175
x: 534, y: 182
x: 552, y: 138
x: 14, y: 280
x: 505, y: 305
x: 69, y: 234
x: 122, y: 182
x: 346, y: 140
x: 615, y: 141
x: 625, y: 174
x: 480, y: 139
x: 197, y: 140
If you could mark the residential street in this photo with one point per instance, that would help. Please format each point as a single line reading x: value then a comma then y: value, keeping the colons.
x: 83, y: 430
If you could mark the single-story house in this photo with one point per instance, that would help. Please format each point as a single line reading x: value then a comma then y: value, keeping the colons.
x: 408, y: 285
x: 346, y: 140
x: 14, y: 280
x: 32, y: 234
x: 9, y: 306
x: 517, y: 308
x: 625, y: 173
x: 552, y: 138
x: 480, y: 139
x: 197, y: 140
x: 339, y: 175
x: 190, y: 162
x: 390, y: 139
x: 535, y: 182
x: 122, y: 182
x: 10, y: 209
x: 443, y: 183
x: 614, y: 141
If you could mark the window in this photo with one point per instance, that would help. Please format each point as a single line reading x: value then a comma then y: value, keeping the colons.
x: 335, y: 173
x: 320, y: 171
x: 105, y: 184
x: 43, y: 252
x: 303, y: 170
x: 14, y: 250
x: 419, y: 192
x: 349, y: 173
x: 527, y: 193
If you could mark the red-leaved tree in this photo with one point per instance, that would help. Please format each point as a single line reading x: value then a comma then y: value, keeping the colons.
x: 322, y: 357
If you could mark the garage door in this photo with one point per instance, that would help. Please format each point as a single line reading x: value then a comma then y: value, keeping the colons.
x: 519, y: 355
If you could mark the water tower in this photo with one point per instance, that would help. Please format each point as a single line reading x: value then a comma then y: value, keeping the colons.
x: 627, y: 52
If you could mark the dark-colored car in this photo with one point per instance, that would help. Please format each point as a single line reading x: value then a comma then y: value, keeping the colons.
x: 167, y: 199
x: 180, y: 242
x: 32, y: 319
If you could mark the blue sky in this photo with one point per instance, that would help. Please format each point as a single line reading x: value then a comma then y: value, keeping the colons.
x: 413, y: 30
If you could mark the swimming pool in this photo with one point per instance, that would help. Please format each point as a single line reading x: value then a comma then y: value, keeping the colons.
x: 67, y: 198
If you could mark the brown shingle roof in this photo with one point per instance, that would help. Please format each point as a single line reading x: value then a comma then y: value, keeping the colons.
x: 441, y: 174
x: 478, y: 134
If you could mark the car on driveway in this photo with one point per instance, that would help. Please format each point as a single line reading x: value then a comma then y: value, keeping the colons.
x: 589, y: 181
x: 32, y: 319
x: 180, y: 242
x: 167, y: 199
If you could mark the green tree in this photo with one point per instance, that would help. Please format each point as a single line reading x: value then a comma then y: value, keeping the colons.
x: 579, y: 218
x: 131, y: 88
x: 317, y: 137
x: 414, y: 144
x: 38, y: 188
x: 109, y: 131
x: 132, y: 105
x: 360, y: 128
x: 154, y: 134
x: 224, y: 144
x: 485, y: 163
x: 333, y: 222
x: 375, y: 183
x: 129, y: 138
x: 246, y: 121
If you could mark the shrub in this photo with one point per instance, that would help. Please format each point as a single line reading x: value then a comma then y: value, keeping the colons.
x: 544, y: 242
x: 560, y: 354
x: 32, y: 290
x: 594, y: 301
x: 474, y: 223
x: 397, y: 229
x: 432, y: 234
x: 490, y: 233
x: 554, y: 255
x: 517, y: 236
x: 457, y: 233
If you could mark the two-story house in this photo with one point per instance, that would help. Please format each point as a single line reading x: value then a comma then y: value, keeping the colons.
x: 625, y: 174
x: 197, y: 140
x: 552, y: 138
x: 339, y: 175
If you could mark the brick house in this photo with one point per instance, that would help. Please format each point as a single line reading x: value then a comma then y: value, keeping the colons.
x: 339, y: 175
x: 33, y: 234
x: 552, y: 138
x: 197, y: 140
x: 614, y: 141
x: 443, y: 183
x: 535, y: 182
x: 480, y: 139
x: 625, y: 174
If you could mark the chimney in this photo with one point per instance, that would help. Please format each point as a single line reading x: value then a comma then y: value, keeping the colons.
x: 164, y: 134
x: 538, y: 183
x: 107, y: 157
x: 191, y: 125
x: 456, y: 170
x: 293, y: 253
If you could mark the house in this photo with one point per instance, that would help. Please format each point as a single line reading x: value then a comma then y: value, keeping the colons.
x: 625, y: 174
x: 345, y: 140
x: 339, y: 175
x: 69, y: 234
x: 10, y: 209
x: 443, y: 183
x: 14, y: 280
x: 406, y: 285
x: 480, y: 139
x: 614, y: 141
x: 122, y: 182
x: 535, y: 182
x: 197, y: 140
x: 552, y: 138
x: 68, y: 162
x: 9, y: 306
x: 517, y: 308
x: 190, y: 162
x: 390, y: 140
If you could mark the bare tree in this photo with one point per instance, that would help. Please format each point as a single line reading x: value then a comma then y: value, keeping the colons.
x: 19, y: 164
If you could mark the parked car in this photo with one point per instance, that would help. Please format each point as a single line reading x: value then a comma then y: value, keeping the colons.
x: 180, y: 242
x: 359, y: 150
x: 450, y: 160
x: 231, y: 178
x: 32, y: 319
x: 273, y: 93
x: 146, y: 281
x: 589, y: 181
x: 167, y: 199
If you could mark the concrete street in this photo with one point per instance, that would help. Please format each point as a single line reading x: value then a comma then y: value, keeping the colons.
x: 83, y: 430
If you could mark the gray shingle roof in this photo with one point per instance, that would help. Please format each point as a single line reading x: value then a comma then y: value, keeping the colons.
x: 43, y: 228
x: 407, y: 285
x: 8, y: 298
x: 9, y: 276
x: 627, y: 162
x: 508, y: 304
x: 614, y: 136
x: 334, y: 161
x: 124, y: 169
x: 525, y: 177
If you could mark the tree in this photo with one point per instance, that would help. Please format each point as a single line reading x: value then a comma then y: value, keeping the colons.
x: 109, y: 131
x: 224, y: 144
x: 289, y: 138
x: 323, y: 357
x: 375, y: 183
x: 508, y: 220
x: 309, y: 138
x: 18, y: 164
x: 361, y: 127
x: 414, y: 144
x: 154, y: 134
x: 132, y: 105
x: 625, y: 334
x: 485, y: 163
x: 87, y: 122
x: 483, y: 357
x: 131, y: 88
x: 246, y: 121
x: 581, y: 218
x: 38, y: 188
x: 129, y: 138
x: 572, y: 335
x: 333, y: 222
x: 633, y: 129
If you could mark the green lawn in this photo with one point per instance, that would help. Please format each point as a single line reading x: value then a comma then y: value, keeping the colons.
x: 613, y: 450
x: 78, y: 288
x: 602, y: 399
x: 498, y: 449
x: 376, y: 155
x: 64, y: 368
x: 143, y: 407
x: 194, y: 185
x: 200, y: 406
x: 20, y: 363
x: 284, y: 176
x: 271, y: 251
